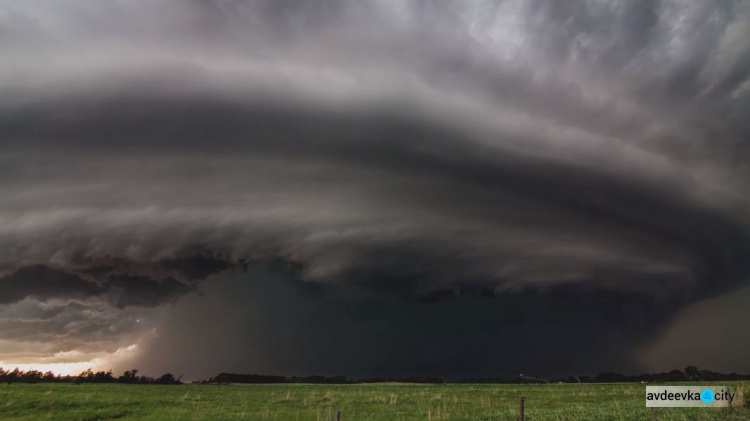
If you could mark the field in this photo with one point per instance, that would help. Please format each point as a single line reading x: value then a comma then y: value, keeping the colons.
x: 320, y: 402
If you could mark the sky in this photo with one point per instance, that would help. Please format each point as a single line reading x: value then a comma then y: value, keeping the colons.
x: 374, y: 188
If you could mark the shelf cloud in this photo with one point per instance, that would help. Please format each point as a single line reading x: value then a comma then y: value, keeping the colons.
x: 427, y: 182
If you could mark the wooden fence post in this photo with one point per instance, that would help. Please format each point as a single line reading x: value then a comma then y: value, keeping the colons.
x: 338, y: 415
x: 731, y: 404
x: 520, y: 408
x: 656, y: 414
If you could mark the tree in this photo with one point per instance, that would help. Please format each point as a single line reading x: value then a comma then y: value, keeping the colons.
x: 167, y: 378
x: 129, y: 376
x: 692, y: 373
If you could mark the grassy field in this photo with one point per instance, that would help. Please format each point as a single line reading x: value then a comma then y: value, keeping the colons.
x: 356, y: 402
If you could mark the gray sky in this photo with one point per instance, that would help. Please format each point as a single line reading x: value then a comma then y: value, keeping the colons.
x: 429, y: 182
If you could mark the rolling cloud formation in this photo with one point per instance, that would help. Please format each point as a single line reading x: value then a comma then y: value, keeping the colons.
x: 537, y: 172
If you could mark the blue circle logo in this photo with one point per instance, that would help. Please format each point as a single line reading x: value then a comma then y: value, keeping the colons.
x: 707, y: 395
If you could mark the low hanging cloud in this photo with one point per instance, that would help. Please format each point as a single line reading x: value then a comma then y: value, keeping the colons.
x: 562, y: 155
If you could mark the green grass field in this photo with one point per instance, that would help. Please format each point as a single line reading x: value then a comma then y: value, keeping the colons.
x: 356, y: 402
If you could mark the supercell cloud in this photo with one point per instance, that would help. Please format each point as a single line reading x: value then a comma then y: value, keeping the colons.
x: 436, y: 187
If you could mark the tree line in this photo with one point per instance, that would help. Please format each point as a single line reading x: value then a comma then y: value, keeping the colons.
x: 690, y: 373
x: 226, y: 378
x: 88, y: 376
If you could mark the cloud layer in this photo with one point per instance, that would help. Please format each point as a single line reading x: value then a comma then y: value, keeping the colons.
x: 432, y: 152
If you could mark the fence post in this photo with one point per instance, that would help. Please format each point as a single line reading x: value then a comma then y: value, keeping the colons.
x: 338, y: 415
x: 656, y: 414
x: 731, y: 404
x: 520, y: 408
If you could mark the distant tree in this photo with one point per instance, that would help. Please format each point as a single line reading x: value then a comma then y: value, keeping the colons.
x: 676, y: 376
x: 167, y: 378
x: 13, y: 376
x: 692, y: 373
x: 31, y: 376
x: 610, y: 378
x: 129, y: 377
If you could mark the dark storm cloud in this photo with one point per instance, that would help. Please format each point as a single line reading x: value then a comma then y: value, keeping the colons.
x: 398, y: 167
x: 568, y: 156
x: 121, y: 289
x: 117, y: 281
x: 238, y: 325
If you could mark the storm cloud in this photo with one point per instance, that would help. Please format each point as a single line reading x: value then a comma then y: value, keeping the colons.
x: 439, y: 179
